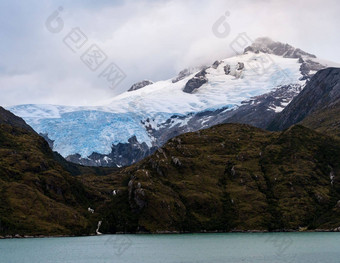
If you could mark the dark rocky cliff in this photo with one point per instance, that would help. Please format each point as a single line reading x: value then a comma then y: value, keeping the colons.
x: 321, y: 92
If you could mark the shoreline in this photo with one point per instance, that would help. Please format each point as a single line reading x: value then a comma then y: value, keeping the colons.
x: 17, y: 236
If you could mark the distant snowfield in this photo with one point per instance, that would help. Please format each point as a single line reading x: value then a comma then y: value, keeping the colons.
x: 85, y: 130
x: 221, y: 90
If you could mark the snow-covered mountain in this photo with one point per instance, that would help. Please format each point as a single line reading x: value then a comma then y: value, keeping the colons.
x: 247, y: 88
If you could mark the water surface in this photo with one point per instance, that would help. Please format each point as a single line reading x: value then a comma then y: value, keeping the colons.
x: 187, y: 248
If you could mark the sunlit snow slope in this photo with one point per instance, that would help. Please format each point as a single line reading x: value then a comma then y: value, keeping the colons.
x: 85, y: 130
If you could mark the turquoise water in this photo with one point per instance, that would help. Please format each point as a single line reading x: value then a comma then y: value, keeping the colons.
x: 187, y: 248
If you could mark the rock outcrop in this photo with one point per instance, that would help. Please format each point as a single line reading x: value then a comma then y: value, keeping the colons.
x: 216, y: 64
x: 227, y: 69
x: 140, y: 85
x: 123, y: 154
x: 187, y: 72
x: 196, y: 82
x: 321, y: 92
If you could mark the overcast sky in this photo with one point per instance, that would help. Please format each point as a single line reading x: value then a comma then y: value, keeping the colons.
x: 145, y: 39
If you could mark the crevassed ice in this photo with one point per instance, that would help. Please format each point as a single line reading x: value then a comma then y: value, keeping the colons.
x: 85, y: 130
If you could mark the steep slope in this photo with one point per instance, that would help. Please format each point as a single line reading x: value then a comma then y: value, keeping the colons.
x: 228, y: 177
x: 319, y: 101
x: 247, y: 88
x: 259, y: 111
x: 38, y: 194
x: 237, y: 177
x: 6, y: 117
x: 326, y: 121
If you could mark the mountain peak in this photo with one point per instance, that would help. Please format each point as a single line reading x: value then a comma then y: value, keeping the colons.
x: 267, y: 45
x: 264, y: 41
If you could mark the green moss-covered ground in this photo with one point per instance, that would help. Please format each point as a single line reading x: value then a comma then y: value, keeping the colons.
x: 228, y: 177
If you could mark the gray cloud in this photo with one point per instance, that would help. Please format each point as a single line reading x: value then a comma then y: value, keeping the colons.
x: 147, y: 39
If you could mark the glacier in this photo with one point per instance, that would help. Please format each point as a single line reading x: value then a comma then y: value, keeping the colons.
x: 87, y: 130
